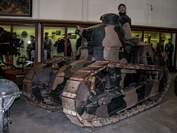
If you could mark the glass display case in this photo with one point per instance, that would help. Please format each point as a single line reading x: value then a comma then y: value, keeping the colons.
x: 170, y: 39
x: 27, y: 48
x: 54, y: 41
x: 166, y: 36
x: 73, y: 39
x: 58, y: 30
x: 136, y: 33
x: 8, y: 29
x: 152, y: 38
x: 23, y: 34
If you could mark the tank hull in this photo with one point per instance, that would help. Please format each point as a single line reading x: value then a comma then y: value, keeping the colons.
x: 113, y: 100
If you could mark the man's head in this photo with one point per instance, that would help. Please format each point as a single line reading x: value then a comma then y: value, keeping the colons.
x: 32, y: 37
x: 69, y: 35
x: 46, y: 34
x: 122, y: 8
x: 169, y: 40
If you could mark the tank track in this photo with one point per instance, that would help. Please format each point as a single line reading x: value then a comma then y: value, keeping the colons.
x: 74, y: 87
x: 29, y: 78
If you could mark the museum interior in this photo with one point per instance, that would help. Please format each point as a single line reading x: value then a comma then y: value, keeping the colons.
x: 52, y: 83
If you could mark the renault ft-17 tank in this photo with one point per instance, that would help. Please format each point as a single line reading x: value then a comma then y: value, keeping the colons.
x: 115, y: 77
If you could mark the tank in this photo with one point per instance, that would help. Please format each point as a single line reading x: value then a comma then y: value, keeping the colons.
x: 113, y: 77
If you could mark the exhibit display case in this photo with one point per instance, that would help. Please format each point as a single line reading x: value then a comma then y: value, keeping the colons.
x: 158, y: 36
x: 136, y: 33
x: 57, y: 36
x: 24, y: 33
x: 8, y: 29
x: 58, y: 30
x: 22, y: 30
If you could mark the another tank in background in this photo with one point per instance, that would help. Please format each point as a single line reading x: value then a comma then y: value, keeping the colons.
x: 115, y: 77
x: 9, y: 91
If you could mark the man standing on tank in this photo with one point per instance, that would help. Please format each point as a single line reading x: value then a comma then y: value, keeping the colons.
x: 125, y: 21
x: 124, y: 18
x: 169, y: 48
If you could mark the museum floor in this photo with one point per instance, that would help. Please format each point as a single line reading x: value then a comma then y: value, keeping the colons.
x: 27, y: 118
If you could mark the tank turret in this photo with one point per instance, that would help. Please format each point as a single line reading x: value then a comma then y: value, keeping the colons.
x: 107, y: 41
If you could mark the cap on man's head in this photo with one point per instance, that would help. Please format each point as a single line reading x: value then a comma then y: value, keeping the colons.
x: 31, y: 36
x: 149, y: 36
x: 121, y: 5
x: 69, y: 34
x: 46, y: 33
x: 169, y: 39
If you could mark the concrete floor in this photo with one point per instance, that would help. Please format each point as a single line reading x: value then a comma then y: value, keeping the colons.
x: 27, y: 118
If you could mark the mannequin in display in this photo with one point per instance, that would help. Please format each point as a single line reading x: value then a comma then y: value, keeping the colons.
x: 149, y: 41
x: 32, y: 47
x: 169, y: 48
x: 47, y: 47
x: 60, y: 45
x: 160, y: 50
x: 78, y: 42
x: 160, y: 46
x: 69, y: 47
